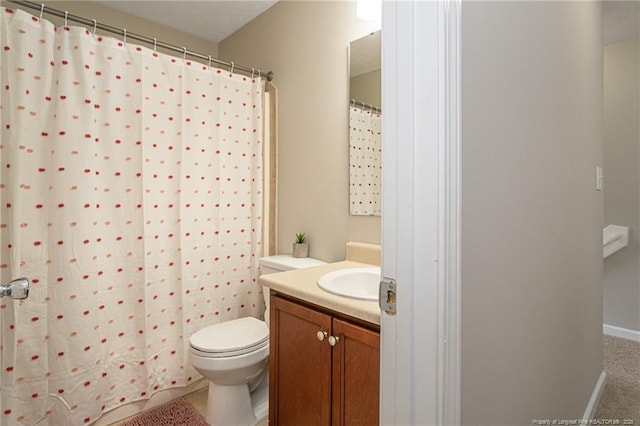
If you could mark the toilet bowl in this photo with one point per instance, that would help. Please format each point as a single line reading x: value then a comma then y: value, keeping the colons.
x: 233, y: 357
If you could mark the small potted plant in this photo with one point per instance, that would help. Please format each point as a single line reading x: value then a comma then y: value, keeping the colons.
x: 300, y: 248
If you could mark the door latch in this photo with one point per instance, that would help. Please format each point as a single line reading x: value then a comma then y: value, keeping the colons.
x: 387, y: 296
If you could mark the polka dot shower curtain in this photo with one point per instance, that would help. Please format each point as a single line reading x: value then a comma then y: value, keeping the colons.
x: 365, y: 162
x: 130, y: 192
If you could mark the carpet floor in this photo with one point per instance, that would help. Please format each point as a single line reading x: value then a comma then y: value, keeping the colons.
x: 621, y: 396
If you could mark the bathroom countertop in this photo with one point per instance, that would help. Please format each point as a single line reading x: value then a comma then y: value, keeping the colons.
x: 302, y: 284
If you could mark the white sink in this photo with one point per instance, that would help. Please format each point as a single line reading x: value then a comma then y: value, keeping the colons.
x: 359, y: 283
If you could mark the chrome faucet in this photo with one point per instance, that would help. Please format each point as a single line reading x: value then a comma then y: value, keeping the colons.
x: 16, y: 289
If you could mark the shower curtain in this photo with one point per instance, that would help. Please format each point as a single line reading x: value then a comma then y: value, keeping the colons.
x: 365, y: 162
x: 130, y: 196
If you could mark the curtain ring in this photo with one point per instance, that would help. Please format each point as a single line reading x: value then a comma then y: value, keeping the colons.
x: 259, y: 74
x: 209, y: 61
x: 41, y: 12
x: 184, y: 53
x: 252, y: 72
x: 95, y: 27
x: 124, y: 35
x: 232, y: 66
x: 155, y: 45
x: 66, y: 18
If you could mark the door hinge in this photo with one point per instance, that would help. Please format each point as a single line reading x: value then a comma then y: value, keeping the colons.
x: 388, y: 295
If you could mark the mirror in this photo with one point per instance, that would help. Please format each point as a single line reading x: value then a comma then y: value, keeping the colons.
x: 365, y: 116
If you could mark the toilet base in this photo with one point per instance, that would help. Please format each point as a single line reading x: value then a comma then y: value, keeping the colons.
x: 230, y: 405
x: 260, y: 399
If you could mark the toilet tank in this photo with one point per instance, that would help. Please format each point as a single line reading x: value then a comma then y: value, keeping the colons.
x: 281, y: 263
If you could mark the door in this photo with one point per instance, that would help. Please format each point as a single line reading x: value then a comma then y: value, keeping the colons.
x: 420, y: 217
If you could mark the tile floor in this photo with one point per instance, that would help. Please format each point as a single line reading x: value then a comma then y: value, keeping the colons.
x: 199, y: 401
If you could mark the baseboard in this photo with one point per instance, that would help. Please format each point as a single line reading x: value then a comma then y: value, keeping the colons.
x: 595, y: 398
x: 624, y: 333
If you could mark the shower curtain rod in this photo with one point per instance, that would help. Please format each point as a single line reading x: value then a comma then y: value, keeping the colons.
x: 149, y: 40
x: 362, y: 105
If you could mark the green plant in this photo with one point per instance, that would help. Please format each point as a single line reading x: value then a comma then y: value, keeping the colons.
x: 300, y: 237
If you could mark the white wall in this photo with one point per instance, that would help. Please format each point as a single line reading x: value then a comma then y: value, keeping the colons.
x: 622, y: 181
x: 305, y: 44
x: 531, y: 217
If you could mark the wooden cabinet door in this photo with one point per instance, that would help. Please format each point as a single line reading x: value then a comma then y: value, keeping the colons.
x: 299, y: 366
x: 356, y: 375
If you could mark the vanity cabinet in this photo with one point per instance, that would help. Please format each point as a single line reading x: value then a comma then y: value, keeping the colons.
x: 324, y: 368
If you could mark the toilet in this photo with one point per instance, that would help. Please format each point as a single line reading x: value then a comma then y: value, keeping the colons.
x: 234, y: 357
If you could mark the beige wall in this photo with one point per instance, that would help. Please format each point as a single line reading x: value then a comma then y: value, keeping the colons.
x: 531, y: 217
x: 622, y: 181
x: 366, y: 88
x: 305, y: 44
x: 108, y: 16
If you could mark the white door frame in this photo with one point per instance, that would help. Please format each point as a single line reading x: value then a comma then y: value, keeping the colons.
x: 420, y: 345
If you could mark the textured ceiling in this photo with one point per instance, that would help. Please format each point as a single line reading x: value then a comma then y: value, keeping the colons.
x: 212, y: 20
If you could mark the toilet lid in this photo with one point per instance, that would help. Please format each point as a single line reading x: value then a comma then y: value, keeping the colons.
x: 239, y: 335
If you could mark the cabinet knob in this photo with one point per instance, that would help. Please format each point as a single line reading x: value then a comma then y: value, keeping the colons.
x: 333, y: 340
x: 321, y: 335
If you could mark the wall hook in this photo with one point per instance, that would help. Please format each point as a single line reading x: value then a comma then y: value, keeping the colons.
x: 16, y: 289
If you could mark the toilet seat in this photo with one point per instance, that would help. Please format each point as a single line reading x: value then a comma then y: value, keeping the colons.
x: 231, y: 338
